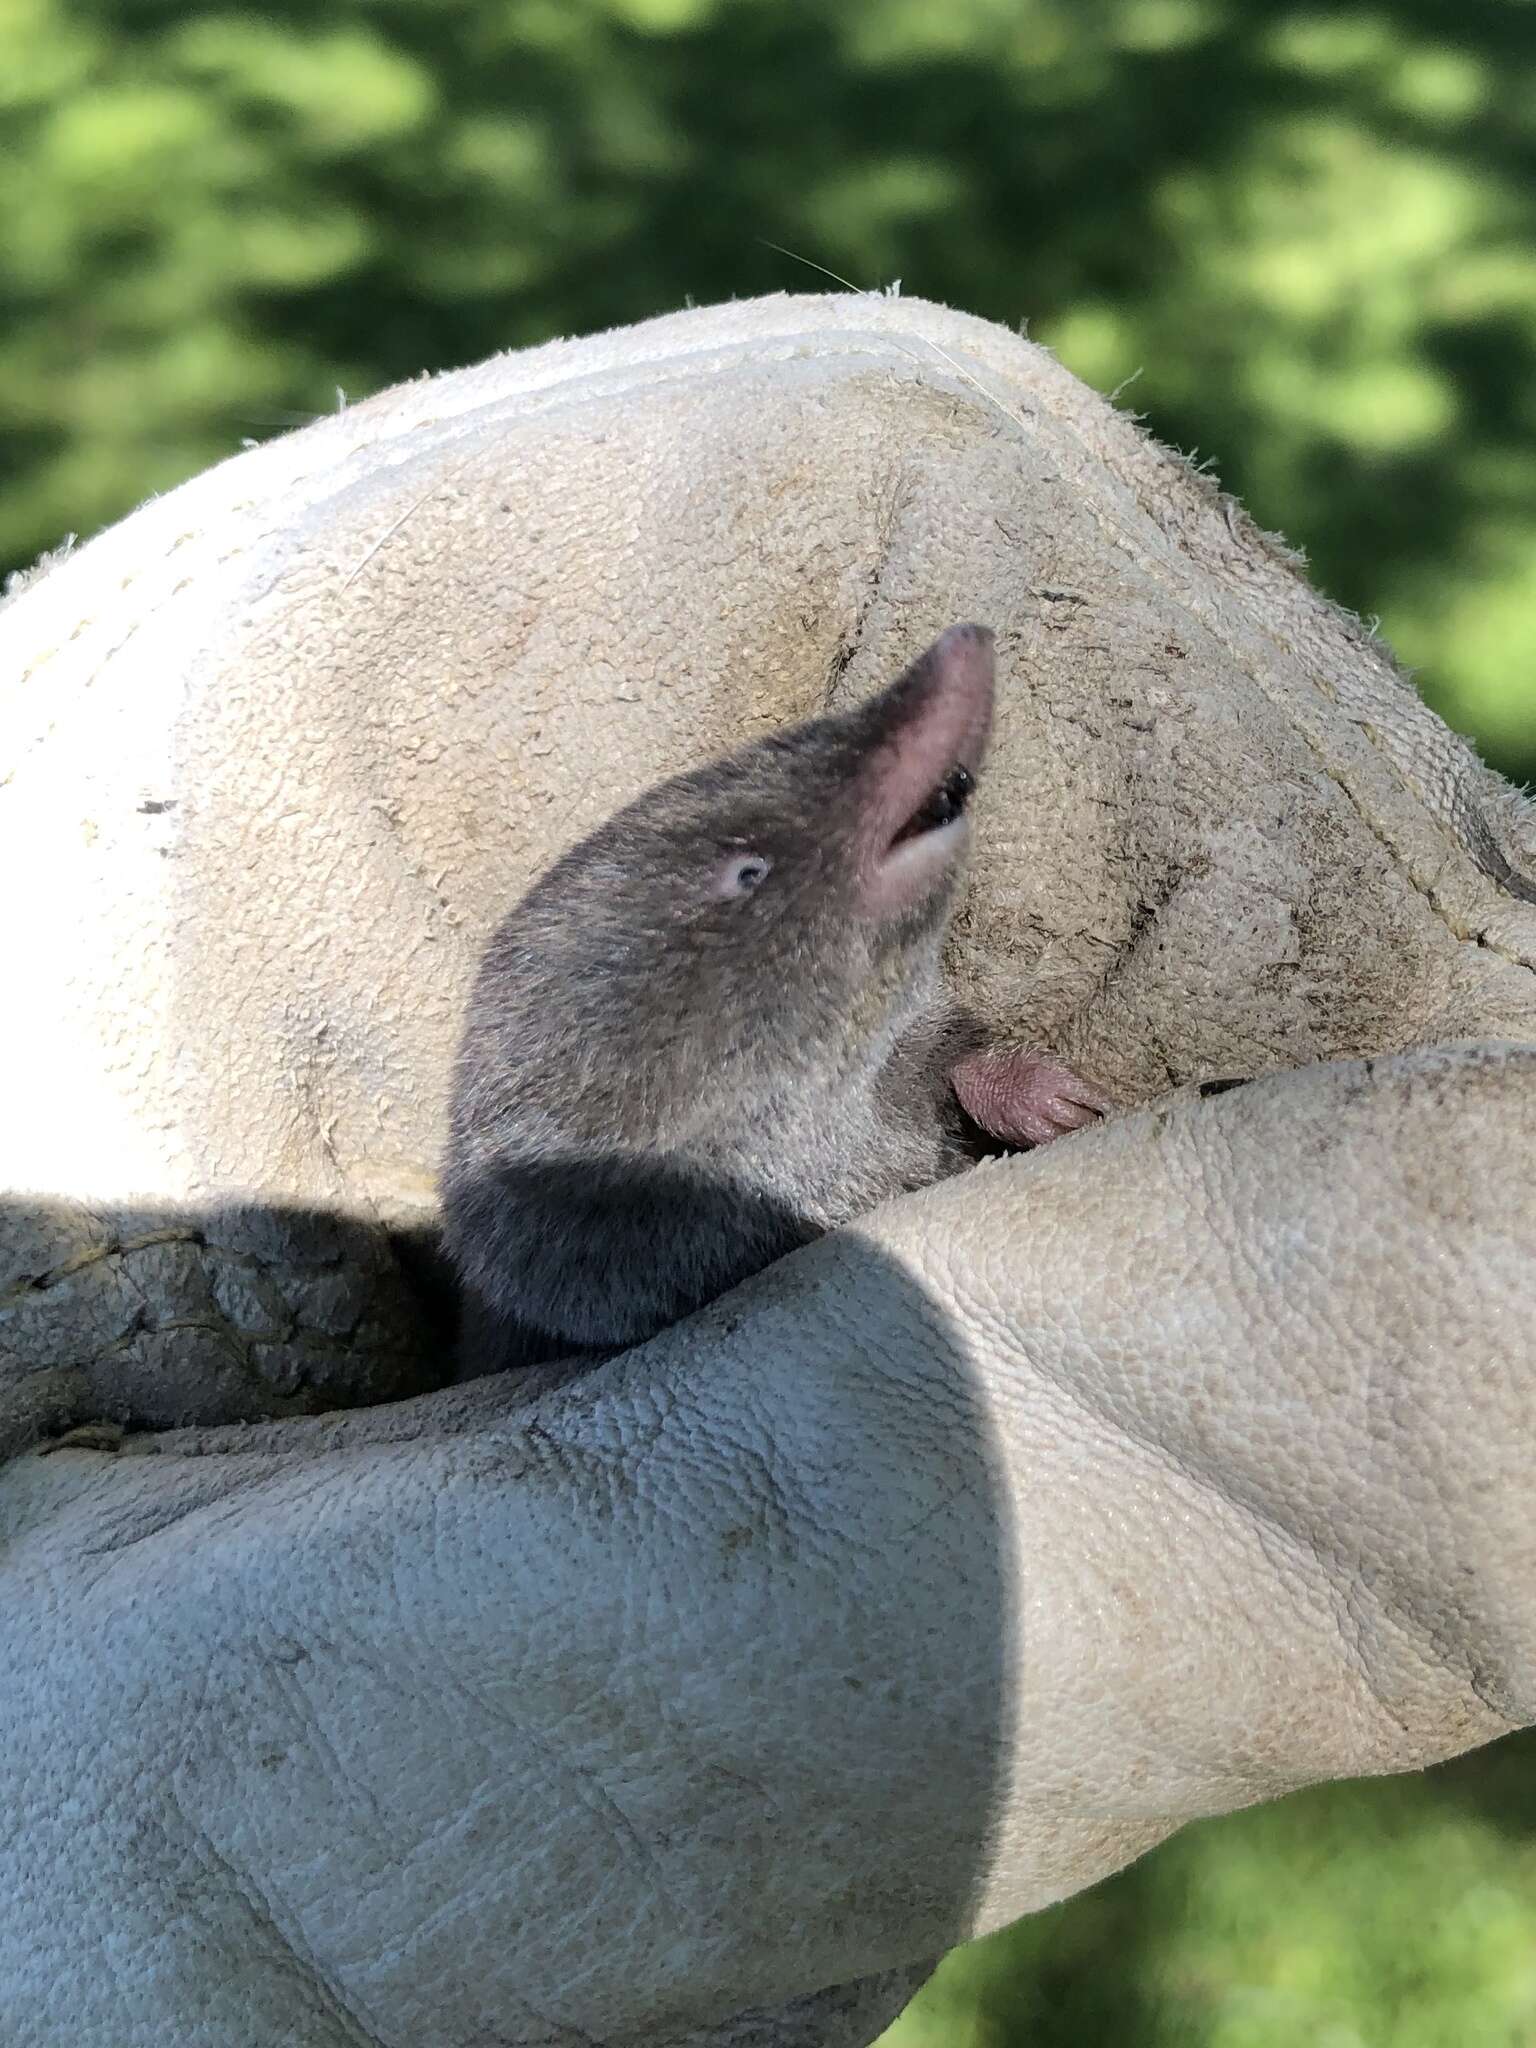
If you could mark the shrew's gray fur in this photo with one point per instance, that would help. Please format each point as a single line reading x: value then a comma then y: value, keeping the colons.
x: 716, y: 1028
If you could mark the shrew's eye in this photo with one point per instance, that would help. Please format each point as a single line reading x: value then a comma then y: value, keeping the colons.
x: 741, y: 873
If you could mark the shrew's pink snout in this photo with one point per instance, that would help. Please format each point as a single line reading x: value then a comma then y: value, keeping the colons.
x: 930, y: 733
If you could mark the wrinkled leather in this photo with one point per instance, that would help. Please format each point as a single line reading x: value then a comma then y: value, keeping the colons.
x: 948, y: 1565
x: 282, y: 747
x: 923, y: 1580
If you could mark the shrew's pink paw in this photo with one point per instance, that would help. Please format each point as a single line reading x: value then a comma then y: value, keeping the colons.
x: 1024, y: 1098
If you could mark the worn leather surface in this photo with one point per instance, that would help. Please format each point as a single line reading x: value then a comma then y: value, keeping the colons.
x: 925, y: 1579
x: 281, y: 747
x: 951, y: 1563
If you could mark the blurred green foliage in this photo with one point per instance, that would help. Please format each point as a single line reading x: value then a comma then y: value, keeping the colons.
x: 1397, y: 1914
x: 1304, y: 231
